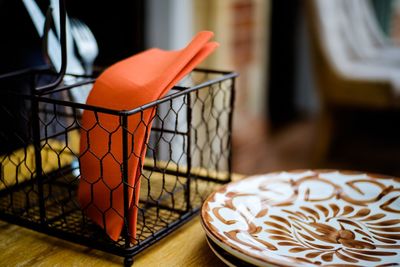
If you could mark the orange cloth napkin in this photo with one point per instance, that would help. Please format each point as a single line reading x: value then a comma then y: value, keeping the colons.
x: 125, y: 85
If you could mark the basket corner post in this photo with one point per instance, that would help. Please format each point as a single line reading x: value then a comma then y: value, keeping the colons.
x: 230, y: 127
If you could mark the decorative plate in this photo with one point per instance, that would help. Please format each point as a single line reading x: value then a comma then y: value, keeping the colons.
x: 303, y: 218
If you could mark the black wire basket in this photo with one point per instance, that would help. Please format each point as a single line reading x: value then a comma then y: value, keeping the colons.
x: 188, y: 156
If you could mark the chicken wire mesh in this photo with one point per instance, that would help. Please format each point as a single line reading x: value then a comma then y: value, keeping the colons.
x: 187, y: 155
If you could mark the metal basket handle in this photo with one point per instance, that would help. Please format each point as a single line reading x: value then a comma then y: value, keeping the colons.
x: 63, y: 41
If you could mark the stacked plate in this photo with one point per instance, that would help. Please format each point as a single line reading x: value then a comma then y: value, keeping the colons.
x: 306, y: 218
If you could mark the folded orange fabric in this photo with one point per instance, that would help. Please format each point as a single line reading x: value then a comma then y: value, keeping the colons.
x: 127, y: 84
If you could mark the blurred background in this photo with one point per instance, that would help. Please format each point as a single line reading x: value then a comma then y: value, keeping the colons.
x: 319, y: 82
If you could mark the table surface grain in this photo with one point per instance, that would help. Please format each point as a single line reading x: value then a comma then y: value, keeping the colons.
x: 186, y: 246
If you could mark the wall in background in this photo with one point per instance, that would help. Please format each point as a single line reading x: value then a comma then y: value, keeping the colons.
x: 306, y: 94
x: 242, y: 29
x: 169, y: 23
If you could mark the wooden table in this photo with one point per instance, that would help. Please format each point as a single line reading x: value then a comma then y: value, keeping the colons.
x: 23, y: 247
x: 186, y: 246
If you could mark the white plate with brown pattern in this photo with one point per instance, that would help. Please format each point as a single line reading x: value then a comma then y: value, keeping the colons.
x: 308, y: 217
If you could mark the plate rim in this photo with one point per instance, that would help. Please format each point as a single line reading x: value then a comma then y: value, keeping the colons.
x: 248, y: 259
x: 226, y: 261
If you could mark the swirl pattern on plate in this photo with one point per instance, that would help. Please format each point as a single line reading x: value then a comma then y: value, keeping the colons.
x: 321, y: 217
